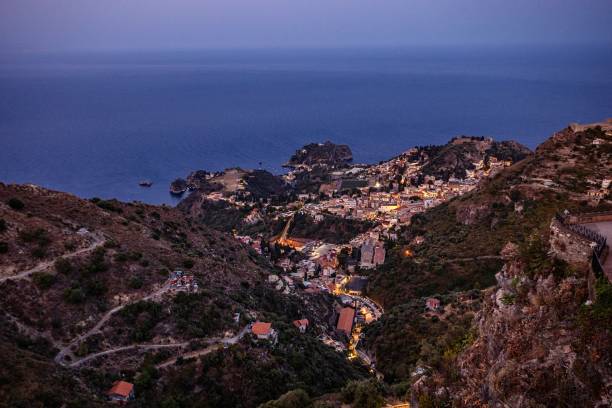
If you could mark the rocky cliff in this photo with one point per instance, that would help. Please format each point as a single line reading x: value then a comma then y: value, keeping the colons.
x: 328, y: 154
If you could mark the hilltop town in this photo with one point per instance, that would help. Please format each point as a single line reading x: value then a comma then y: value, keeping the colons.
x: 399, y: 283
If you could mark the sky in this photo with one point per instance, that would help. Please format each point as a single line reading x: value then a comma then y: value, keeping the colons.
x: 56, y: 25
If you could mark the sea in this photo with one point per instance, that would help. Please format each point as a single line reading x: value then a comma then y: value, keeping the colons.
x: 96, y: 123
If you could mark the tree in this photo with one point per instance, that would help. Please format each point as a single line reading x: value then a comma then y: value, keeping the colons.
x: 292, y: 399
x: 363, y: 394
x: 16, y: 204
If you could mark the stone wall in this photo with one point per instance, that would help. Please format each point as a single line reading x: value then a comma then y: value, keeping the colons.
x: 586, y: 218
x: 569, y: 246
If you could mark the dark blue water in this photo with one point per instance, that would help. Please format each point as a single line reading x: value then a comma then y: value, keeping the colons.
x: 96, y: 124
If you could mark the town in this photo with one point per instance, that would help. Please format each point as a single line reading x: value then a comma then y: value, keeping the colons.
x: 386, y: 196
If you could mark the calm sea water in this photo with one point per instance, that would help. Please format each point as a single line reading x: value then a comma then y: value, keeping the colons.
x: 96, y: 124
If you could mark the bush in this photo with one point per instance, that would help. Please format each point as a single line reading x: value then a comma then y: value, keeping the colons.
x: 97, y: 262
x: 43, y: 280
x: 136, y: 282
x: 108, y: 206
x: 74, y: 295
x: 63, y: 266
x: 95, y: 288
x: 3, y: 247
x: 38, y: 236
x: 363, y: 394
x: 39, y: 252
x: 2, y: 225
x: 188, y: 263
x: 292, y: 399
x: 16, y: 204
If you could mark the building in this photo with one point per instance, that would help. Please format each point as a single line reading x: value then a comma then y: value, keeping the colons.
x: 263, y: 331
x: 367, y: 253
x: 379, y: 254
x: 372, y: 253
x: 121, y: 392
x: 345, y: 320
x: 432, y: 304
x: 301, y: 325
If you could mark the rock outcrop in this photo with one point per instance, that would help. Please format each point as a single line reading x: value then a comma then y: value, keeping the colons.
x: 328, y: 154
x: 532, y: 348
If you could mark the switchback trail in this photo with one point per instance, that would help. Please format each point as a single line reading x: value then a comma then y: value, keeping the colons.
x: 66, y: 351
x: 98, y: 241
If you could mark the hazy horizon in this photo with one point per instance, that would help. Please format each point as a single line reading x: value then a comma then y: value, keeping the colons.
x: 87, y: 25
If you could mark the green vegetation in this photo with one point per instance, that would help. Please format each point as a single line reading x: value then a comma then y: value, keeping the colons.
x: 508, y: 299
x: 404, y: 336
x: 38, y: 236
x: 111, y: 205
x: 97, y: 262
x: 74, y: 295
x: 331, y: 229
x: 363, y: 394
x: 43, y: 280
x: 16, y: 204
x: 127, y: 256
x: 142, y: 317
x: 63, y: 266
x: 292, y: 399
x: 246, y: 376
x: 136, y: 282
x: 201, y: 315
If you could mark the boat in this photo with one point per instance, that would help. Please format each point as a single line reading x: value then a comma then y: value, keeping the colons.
x: 145, y: 183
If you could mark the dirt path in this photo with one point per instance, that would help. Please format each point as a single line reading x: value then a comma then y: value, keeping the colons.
x: 66, y: 351
x: 98, y: 241
x: 125, y: 348
x: 218, y: 343
x: 474, y: 258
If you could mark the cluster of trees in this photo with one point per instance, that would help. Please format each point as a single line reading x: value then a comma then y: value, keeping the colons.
x: 201, y: 314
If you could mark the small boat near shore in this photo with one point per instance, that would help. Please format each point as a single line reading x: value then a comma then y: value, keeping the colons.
x: 145, y: 183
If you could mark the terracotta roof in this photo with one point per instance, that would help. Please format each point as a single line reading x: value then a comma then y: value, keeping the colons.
x: 122, y: 388
x: 261, y: 328
x: 345, y: 321
x: 301, y: 322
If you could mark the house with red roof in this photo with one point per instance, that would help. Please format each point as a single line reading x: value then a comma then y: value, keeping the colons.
x: 432, y: 304
x: 121, y: 392
x: 263, y: 331
x: 301, y: 325
x: 345, y: 320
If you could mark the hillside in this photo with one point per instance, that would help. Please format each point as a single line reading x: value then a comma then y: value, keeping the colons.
x: 86, y: 295
x: 534, y: 342
x: 456, y: 245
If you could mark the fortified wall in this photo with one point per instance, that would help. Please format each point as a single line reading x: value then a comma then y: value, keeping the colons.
x: 570, y: 246
x: 579, y: 246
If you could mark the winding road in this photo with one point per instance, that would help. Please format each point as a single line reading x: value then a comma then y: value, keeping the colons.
x: 97, y: 241
x: 218, y: 344
x: 215, y: 343
x: 125, y: 348
x: 66, y: 351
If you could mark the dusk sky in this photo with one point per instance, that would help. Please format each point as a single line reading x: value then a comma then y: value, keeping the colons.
x: 52, y: 25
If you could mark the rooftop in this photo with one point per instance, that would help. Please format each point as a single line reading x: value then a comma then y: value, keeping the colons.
x: 122, y: 388
x: 261, y: 328
x: 345, y: 321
